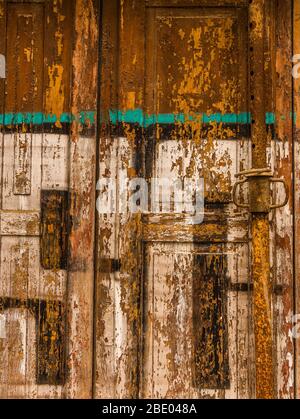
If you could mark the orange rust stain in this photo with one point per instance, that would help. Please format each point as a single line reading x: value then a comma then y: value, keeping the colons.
x: 86, y: 31
x: 191, y: 92
x: 28, y: 54
x: 59, y: 40
x: 262, y: 307
x: 297, y: 50
x: 130, y: 100
x: 55, y: 92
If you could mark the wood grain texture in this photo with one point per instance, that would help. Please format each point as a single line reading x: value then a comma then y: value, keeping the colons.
x: 283, y: 219
x: 142, y: 305
x: 54, y: 229
x: 172, y: 35
x: 82, y: 202
x: 296, y: 105
x: 33, y: 341
x: 210, y: 322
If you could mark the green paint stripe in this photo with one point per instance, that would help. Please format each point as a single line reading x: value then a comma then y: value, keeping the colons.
x: 135, y: 116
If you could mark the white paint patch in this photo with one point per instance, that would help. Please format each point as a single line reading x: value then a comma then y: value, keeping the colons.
x: 21, y: 318
x: 2, y: 326
x: 2, y: 67
x: 120, y: 325
x: 55, y: 161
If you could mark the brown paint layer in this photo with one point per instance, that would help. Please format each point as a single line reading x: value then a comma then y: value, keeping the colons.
x: 211, y: 361
x: 54, y: 229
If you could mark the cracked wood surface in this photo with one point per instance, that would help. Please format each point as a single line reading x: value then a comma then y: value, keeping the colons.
x: 170, y: 318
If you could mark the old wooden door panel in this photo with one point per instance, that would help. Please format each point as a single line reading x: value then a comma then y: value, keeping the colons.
x: 176, y: 93
x: 47, y: 200
x: 185, y: 117
x: 199, y: 70
x: 176, y: 305
x: 27, y: 169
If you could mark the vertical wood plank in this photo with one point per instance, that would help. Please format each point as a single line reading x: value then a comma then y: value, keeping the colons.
x: 54, y: 229
x: 82, y: 202
x: 33, y: 89
x: 57, y: 65
x: 131, y: 96
x: 210, y: 323
x: 25, y: 62
x: 58, y: 26
x: 296, y: 40
x: 105, y: 348
x: 3, y: 352
x: 19, y: 255
x: 284, y: 217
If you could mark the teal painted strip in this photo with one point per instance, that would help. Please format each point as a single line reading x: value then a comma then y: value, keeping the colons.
x: 135, y: 116
x: 270, y: 118
x: 66, y: 118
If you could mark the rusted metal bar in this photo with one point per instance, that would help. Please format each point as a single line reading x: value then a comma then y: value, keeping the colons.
x: 260, y: 220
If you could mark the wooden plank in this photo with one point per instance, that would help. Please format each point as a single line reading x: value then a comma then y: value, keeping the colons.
x: 209, y: 231
x: 57, y: 67
x: 36, y: 161
x: 51, y: 351
x: 195, y: 3
x: 113, y: 324
x: 13, y: 145
x: 19, y: 281
x: 175, y: 83
x: 210, y: 323
x: 3, y: 13
x: 283, y: 253
x: 19, y: 256
x: 82, y: 202
x: 22, y: 223
x: 55, y: 160
x: 24, y: 94
x: 105, y: 364
x: 296, y: 104
x: 129, y: 163
x: 57, y: 73
x: 54, y: 229
x: 245, y: 356
x: 168, y: 312
x: 25, y: 63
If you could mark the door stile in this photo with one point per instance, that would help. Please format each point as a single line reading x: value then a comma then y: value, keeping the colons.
x: 296, y: 132
x: 283, y: 272
x: 82, y: 200
x: 107, y: 251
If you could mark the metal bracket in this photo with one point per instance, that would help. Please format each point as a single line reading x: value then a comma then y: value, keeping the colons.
x: 260, y: 199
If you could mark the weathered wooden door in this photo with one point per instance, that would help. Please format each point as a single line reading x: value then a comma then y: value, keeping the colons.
x: 173, y: 314
x: 174, y: 297
x: 47, y: 172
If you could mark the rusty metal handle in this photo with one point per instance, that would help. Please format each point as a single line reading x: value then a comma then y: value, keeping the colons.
x: 286, y: 189
x: 254, y: 172
x: 234, y: 194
